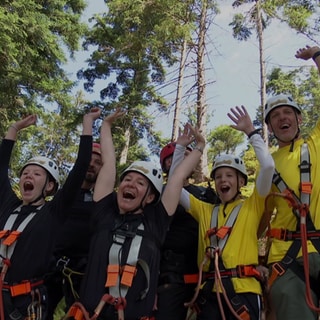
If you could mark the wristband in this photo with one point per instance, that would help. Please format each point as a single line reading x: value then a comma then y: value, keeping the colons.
x: 317, y: 54
x: 250, y: 134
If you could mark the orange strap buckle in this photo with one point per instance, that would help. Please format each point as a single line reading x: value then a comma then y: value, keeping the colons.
x: 306, y: 187
x: 243, y: 313
x: 280, y: 234
x: 76, y: 313
x: 210, y: 232
x: 277, y: 271
x: 191, y: 278
x: 128, y: 273
x: 11, y: 238
x: 113, y: 271
x: 21, y: 288
x: 223, y: 231
x: 247, y: 271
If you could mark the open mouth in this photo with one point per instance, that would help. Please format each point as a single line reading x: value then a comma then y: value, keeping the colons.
x: 285, y: 126
x: 28, y: 186
x: 128, y: 195
x: 224, y: 189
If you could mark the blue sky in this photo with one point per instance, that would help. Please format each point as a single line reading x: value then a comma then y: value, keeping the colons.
x: 234, y: 76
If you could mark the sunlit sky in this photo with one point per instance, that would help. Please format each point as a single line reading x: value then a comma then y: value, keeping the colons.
x: 234, y: 74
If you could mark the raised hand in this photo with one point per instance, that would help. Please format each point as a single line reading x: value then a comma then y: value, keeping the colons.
x: 241, y: 119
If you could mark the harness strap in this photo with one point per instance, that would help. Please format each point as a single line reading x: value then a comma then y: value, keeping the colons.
x: 119, y: 280
x: 9, y: 237
x: 24, y: 287
x: 237, y: 304
x: 241, y: 271
x: 219, y: 237
x: 287, y: 235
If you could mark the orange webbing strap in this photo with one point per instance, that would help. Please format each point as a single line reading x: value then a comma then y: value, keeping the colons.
x: 113, y: 271
x: 128, y: 273
x: 11, y: 238
x: 277, y: 271
x: 22, y: 288
x: 223, y: 231
x: 4, y: 233
x: 243, y: 313
x: 191, y: 278
x: 78, y: 312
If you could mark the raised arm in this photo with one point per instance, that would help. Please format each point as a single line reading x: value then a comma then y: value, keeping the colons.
x: 107, y: 175
x: 171, y: 194
x: 308, y: 53
x: 14, y: 128
x: 242, y: 122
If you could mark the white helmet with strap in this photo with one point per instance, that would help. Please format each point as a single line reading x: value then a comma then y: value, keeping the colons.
x: 49, y: 165
x: 232, y: 161
x: 279, y: 100
x: 149, y: 170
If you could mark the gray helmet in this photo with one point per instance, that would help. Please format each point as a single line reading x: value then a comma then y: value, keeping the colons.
x: 149, y: 170
x: 49, y: 165
x: 229, y: 160
x: 279, y: 100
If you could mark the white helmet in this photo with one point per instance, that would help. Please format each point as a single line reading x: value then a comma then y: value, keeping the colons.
x: 47, y: 164
x: 279, y: 101
x: 228, y: 160
x: 149, y: 170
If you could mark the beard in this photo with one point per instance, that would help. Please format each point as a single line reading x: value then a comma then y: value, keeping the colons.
x: 90, y: 177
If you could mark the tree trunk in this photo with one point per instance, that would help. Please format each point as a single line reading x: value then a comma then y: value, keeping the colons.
x: 262, y: 71
x: 177, y: 109
x: 202, y: 169
x: 124, y: 152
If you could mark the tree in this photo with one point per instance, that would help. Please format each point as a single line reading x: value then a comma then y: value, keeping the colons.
x: 132, y: 42
x: 296, y: 14
x: 224, y: 139
x: 35, y: 37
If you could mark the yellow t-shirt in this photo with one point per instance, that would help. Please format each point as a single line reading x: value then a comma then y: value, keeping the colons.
x: 242, y: 246
x: 287, y: 164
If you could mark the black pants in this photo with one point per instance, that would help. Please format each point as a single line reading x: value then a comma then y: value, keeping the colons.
x: 209, y: 306
x: 171, y: 299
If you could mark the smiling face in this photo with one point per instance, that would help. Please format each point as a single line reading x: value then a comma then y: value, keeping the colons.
x: 33, y: 180
x: 284, y: 122
x: 227, y: 183
x: 134, y: 192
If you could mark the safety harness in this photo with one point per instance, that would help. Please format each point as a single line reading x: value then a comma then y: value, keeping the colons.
x: 220, y: 275
x: 119, y: 277
x: 289, y: 260
x: 8, y: 241
x: 305, y: 229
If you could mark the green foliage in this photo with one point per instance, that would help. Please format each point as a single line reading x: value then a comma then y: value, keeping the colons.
x: 34, y: 36
x: 223, y: 139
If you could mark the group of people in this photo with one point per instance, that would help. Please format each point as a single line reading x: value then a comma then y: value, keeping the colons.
x: 146, y: 249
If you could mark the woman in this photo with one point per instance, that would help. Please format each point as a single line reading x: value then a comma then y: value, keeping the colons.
x: 131, y: 224
x: 28, y: 224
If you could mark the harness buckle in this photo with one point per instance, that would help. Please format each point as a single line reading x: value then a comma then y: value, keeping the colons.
x: 306, y: 187
x: 62, y: 262
x: 247, y: 271
x: 21, y: 288
x: 243, y: 313
x: 223, y: 231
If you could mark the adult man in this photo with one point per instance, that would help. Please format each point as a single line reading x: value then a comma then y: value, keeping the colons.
x: 296, y: 162
x: 73, y: 239
x: 179, y: 252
